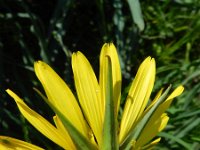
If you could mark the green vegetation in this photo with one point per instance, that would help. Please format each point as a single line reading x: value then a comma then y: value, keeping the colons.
x: 51, y: 30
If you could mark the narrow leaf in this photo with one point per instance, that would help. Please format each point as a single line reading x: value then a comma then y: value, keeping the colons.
x: 176, y: 139
x: 110, y: 121
x: 136, y: 13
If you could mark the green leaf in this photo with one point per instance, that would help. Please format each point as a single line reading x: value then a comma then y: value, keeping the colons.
x: 177, y: 139
x: 110, y: 121
x: 187, y: 126
x: 136, y: 13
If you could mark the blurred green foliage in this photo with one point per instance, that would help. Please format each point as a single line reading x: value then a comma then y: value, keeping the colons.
x: 51, y: 30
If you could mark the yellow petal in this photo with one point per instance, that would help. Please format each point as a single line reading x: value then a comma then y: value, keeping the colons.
x: 153, y: 127
x: 178, y: 91
x: 165, y: 105
x: 60, y: 96
x: 8, y: 143
x: 138, y: 96
x: 158, y: 120
x: 109, y: 50
x: 88, y: 91
x: 154, y: 101
x: 39, y: 122
x: 151, y: 145
x: 63, y: 132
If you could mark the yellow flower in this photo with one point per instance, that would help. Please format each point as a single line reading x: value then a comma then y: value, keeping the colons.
x: 91, y: 121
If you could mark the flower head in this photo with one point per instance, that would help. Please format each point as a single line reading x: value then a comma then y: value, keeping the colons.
x: 91, y: 121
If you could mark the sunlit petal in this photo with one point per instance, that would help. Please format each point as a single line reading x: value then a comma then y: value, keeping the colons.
x: 60, y: 96
x: 151, y: 145
x: 88, y: 91
x: 39, y: 122
x: 8, y: 143
x: 138, y: 96
x: 153, y: 127
x: 154, y: 101
x: 165, y: 105
x: 109, y: 50
x: 178, y: 91
x: 64, y: 132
